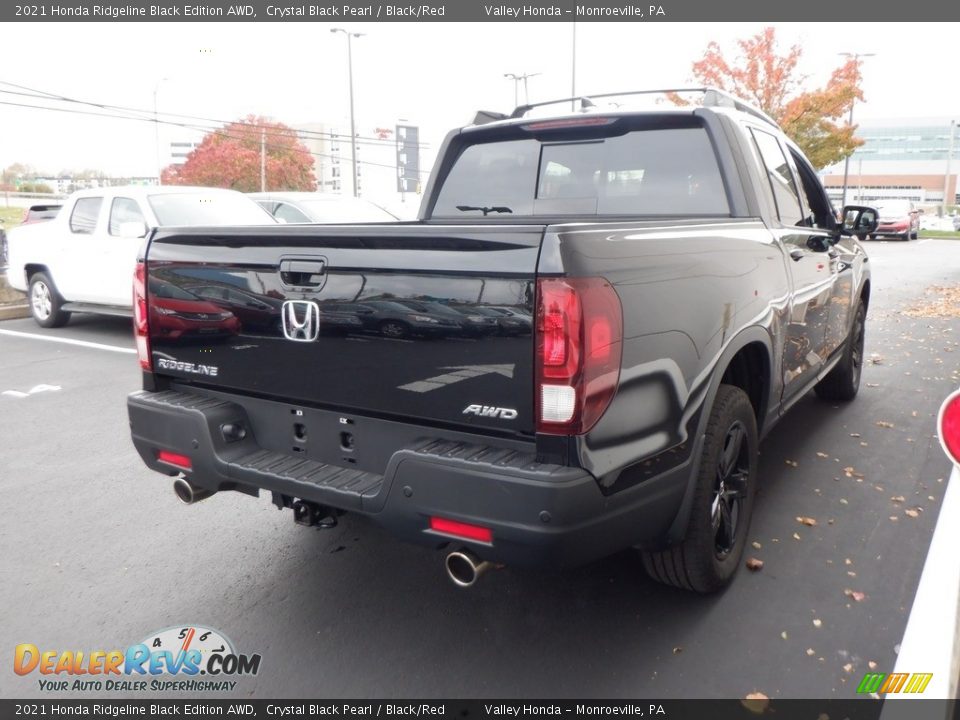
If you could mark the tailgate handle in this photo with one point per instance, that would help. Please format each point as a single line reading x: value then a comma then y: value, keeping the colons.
x: 301, y: 273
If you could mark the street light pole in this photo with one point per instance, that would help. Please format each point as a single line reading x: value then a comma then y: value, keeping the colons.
x: 516, y: 82
x: 353, y: 127
x: 573, y: 67
x: 846, y: 162
x: 156, y: 130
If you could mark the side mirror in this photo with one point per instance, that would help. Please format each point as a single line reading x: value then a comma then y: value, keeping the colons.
x: 858, y: 220
x: 132, y: 229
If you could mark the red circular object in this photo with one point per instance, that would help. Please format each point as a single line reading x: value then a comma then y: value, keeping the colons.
x: 949, y: 426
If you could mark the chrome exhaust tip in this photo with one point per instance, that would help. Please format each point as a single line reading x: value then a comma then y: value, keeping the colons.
x: 188, y: 493
x: 464, y: 568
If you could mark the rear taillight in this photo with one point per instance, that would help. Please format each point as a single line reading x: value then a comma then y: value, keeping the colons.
x: 948, y: 424
x: 140, y: 328
x: 579, y: 347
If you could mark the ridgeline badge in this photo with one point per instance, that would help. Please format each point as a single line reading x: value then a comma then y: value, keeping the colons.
x: 148, y: 665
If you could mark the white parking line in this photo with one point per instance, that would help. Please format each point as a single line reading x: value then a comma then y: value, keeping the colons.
x: 69, y: 341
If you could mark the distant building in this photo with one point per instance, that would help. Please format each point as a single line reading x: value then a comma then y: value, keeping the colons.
x: 903, y: 158
x: 385, y: 162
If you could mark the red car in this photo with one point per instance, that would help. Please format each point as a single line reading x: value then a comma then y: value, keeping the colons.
x: 898, y: 218
x: 177, y: 314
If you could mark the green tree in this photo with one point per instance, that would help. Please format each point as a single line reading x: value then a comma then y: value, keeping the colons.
x: 814, y: 119
x: 230, y: 158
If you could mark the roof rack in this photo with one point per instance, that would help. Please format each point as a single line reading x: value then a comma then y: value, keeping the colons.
x: 712, y: 97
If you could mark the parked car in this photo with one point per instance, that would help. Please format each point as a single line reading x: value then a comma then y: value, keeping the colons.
x: 180, y: 315
x: 307, y: 207
x: 956, y: 223
x: 39, y: 213
x: 81, y: 260
x: 898, y: 218
x: 394, y: 320
x: 690, y: 284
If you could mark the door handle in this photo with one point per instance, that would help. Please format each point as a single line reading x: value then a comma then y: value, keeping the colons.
x: 306, y: 267
x: 798, y: 254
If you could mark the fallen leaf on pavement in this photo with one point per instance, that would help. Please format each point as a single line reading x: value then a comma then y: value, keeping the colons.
x: 856, y: 595
x: 897, y: 499
x: 811, y: 652
x: 756, y: 702
x: 677, y: 650
x: 823, y: 455
x: 808, y: 521
x: 755, y: 545
x: 848, y: 667
x: 754, y: 564
x: 817, y: 622
x: 784, y: 635
x: 854, y: 434
x: 912, y: 513
x: 792, y: 463
x: 796, y: 537
x: 872, y: 665
x: 884, y: 424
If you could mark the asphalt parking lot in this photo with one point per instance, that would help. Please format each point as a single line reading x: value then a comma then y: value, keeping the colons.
x: 98, y: 553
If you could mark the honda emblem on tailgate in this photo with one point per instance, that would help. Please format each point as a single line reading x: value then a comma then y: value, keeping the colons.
x: 301, y: 320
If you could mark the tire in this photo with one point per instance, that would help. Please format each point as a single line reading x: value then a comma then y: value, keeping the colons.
x: 394, y: 329
x: 45, y: 302
x: 843, y: 382
x: 708, y: 557
x: 906, y: 236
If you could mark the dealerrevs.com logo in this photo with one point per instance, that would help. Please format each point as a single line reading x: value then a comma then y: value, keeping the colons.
x: 187, y: 659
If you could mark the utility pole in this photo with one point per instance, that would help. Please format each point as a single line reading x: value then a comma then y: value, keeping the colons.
x: 353, y: 127
x: 846, y: 162
x: 263, y: 159
x: 946, y: 175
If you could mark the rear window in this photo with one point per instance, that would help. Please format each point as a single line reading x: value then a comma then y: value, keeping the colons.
x: 668, y: 171
x: 83, y: 220
x: 215, y: 208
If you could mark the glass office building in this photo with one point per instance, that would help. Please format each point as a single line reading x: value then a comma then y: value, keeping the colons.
x: 905, y: 158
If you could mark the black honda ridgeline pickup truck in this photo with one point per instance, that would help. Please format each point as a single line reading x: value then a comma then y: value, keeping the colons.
x: 573, y: 351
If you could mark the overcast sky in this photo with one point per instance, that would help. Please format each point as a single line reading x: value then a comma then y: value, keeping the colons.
x: 432, y: 74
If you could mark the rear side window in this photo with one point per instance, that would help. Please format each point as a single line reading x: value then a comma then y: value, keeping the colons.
x: 83, y: 219
x: 668, y: 171
x: 124, y: 210
x: 781, y: 179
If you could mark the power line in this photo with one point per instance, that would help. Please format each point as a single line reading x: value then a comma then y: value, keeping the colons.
x: 210, y: 130
x: 43, y: 94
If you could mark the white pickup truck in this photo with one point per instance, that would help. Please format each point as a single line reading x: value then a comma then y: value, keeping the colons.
x: 83, y: 260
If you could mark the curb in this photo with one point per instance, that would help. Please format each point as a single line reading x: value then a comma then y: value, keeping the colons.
x: 14, y: 312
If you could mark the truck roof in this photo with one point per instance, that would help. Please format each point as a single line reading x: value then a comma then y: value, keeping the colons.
x: 628, y: 105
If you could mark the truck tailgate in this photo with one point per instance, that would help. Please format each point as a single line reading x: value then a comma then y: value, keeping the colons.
x: 431, y: 323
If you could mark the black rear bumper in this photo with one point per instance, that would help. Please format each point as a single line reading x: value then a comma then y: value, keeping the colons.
x: 539, y: 514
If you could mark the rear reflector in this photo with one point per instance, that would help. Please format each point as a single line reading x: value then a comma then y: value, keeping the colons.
x: 180, y: 461
x: 948, y: 425
x: 461, y: 530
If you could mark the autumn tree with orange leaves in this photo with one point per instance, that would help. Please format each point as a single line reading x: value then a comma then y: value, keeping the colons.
x: 230, y: 158
x: 814, y: 119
